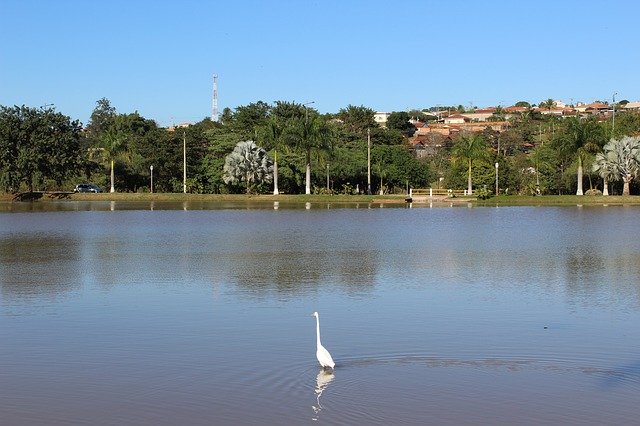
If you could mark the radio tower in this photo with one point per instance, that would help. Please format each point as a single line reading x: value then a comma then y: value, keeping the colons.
x: 214, y: 106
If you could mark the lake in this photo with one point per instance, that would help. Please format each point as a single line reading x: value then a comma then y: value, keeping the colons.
x: 195, y: 314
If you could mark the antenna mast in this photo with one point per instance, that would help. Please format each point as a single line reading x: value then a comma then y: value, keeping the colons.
x: 214, y: 106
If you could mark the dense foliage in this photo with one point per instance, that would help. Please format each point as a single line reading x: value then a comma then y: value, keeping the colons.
x: 305, y: 151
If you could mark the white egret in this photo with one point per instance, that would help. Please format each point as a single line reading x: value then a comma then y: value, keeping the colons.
x: 323, y: 355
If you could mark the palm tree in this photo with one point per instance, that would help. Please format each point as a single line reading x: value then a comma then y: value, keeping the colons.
x: 310, y: 134
x: 273, y: 136
x: 113, y: 145
x: 579, y: 139
x: 247, y: 163
x: 469, y: 147
x: 621, y: 160
x: 603, y: 165
x: 548, y: 104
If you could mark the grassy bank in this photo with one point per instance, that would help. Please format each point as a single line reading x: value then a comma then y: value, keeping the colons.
x: 512, y: 200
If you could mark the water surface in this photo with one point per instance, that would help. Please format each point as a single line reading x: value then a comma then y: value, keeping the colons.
x: 456, y: 316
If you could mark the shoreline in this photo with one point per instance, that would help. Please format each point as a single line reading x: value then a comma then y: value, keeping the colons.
x: 509, y: 200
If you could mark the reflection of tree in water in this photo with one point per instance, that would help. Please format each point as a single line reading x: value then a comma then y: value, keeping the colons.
x: 295, y: 271
x: 592, y: 278
x: 288, y: 265
x: 38, y: 266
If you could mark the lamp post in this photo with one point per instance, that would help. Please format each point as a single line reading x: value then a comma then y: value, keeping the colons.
x: 613, y: 122
x: 151, y: 169
x: 497, y: 178
x: 368, y: 162
x: 308, y: 159
x: 184, y: 161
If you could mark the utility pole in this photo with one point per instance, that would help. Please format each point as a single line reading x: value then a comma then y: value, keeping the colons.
x: 613, y: 123
x: 368, y: 162
x: 184, y: 160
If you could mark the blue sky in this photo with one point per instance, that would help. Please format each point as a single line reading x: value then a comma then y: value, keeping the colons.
x: 158, y: 57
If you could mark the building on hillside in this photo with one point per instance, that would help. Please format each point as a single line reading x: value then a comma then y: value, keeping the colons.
x: 430, y: 144
x: 381, y: 118
x: 632, y: 106
x: 175, y: 127
x: 592, y: 108
x: 480, y: 114
x: 456, y: 119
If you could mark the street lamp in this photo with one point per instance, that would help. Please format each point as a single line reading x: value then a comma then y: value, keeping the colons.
x: 308, y: 165
x: 151, y: 169
x: 613, y: 122
x: 368, y: 162
x: 497, y: 179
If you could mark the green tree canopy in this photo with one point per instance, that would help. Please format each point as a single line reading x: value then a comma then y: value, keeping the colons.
x: 400, y: 121
x: 36, y: 145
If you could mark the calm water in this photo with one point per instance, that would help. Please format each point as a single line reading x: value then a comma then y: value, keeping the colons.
x: 447, y: 316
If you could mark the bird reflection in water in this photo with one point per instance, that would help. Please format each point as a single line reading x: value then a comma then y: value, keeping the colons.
x: 322, y: 381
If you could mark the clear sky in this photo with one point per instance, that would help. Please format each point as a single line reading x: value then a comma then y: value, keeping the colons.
x: 158, y: 57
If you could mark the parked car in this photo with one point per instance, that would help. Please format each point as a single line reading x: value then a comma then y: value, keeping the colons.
x: 87, y: 187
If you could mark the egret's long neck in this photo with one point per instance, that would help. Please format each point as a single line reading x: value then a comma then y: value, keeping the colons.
x: 318, y: 331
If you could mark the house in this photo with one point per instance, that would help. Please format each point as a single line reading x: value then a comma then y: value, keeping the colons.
x: 632, y: 106
x: 430, y: 144
x: 456, y: 119
x: 480, y: 114
x: 593, y: 108
x: 381, y: 118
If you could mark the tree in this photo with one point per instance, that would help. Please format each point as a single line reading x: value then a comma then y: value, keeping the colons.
x: 577, y: 139
x: 469, y: 147
x: 357, y: 119
x: 397, y: 165
x: 603, y: 165
x: 400, y: 121
x: 247, y: 163
x: 101, y: 118
x: 248, y: 118
x: 220, y: 142
x: 113, y: 146
x: 310, y: 134
x: 620, y: 160
x: 36, y: 145
x: 273, y: 137
x: 548, y: 104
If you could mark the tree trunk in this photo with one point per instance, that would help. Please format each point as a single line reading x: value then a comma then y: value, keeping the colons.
x: 113, y: 177
x: 605, y: 189
x: 275, y: 173
x: 469, y: 186
x: 625, y: 187
x: 579, y: 191
x: 308, y: 173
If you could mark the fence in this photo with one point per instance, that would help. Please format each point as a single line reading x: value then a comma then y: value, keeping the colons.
x: 437, y: 192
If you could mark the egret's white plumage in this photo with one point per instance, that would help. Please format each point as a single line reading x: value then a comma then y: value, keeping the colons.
x: 323, y: 355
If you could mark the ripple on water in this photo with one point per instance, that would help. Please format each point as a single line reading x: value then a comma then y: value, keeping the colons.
x: 382, y: 388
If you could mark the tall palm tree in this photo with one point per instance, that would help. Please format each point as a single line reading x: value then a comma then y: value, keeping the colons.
x: 309, y: 134
x: 469, y: 147
x: 273, y: 137
x: 247, y: 163
x: 620, y: 160
x: 113, y: 145
x: 578, y: 139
